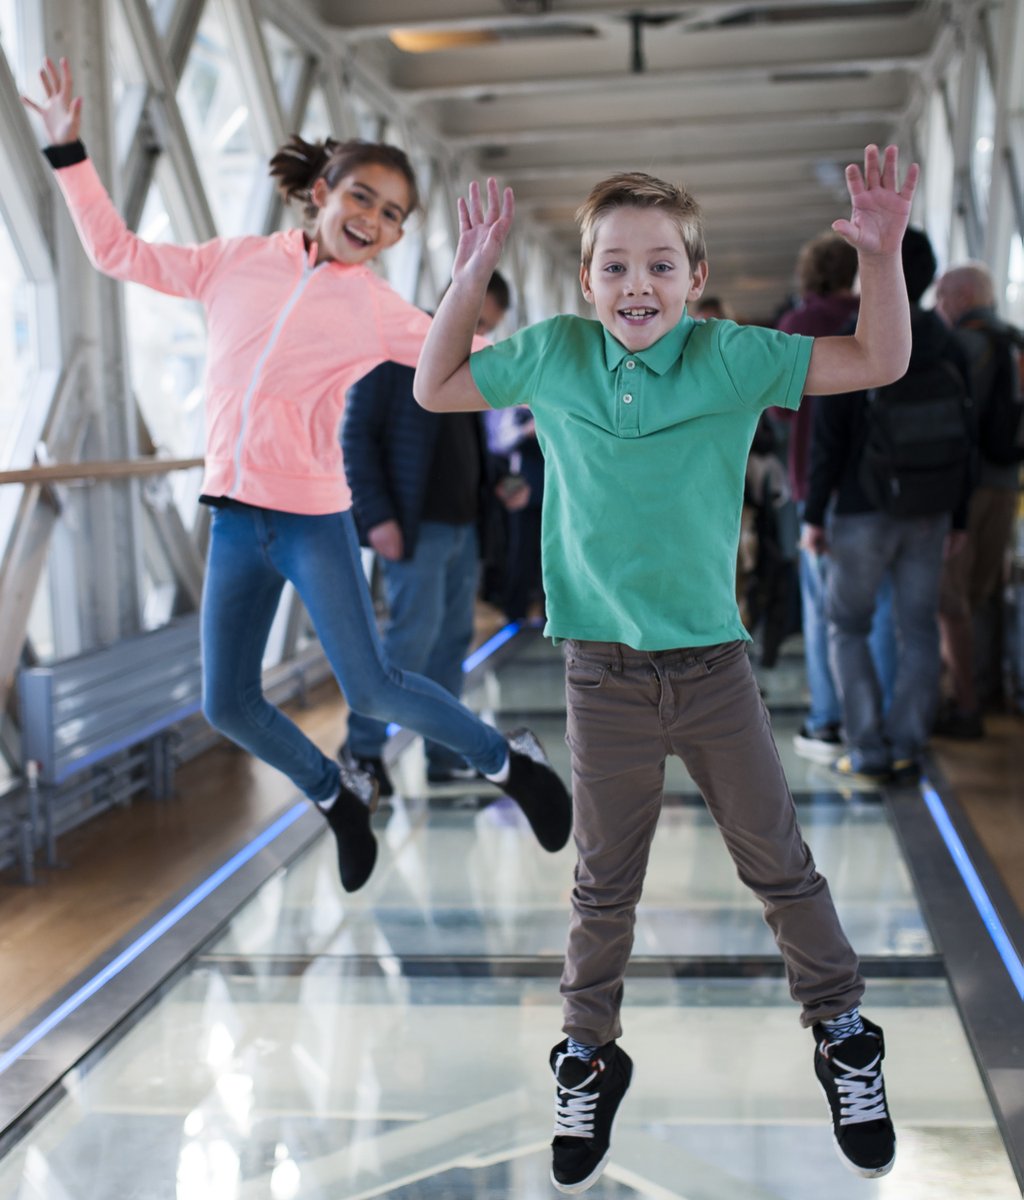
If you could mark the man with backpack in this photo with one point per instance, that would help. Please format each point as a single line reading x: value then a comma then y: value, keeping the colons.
x: 896, y: 463
x: 965, y: 299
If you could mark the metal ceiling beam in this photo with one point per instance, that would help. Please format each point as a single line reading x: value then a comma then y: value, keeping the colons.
x: 677, y: 99
x: 568, y: 64
x: 721, y: 126
x: 636, y: 153
x: 360, y: 19
x: 779, y: 171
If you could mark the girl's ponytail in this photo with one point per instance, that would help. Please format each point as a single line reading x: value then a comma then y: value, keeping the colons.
x: 298, y: 164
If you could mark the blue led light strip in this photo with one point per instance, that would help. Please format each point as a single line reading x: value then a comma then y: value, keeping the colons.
x: 975, y: 887
x: 166, y: 922
x: 506, y: 633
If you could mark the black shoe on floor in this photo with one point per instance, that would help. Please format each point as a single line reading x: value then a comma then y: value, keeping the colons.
x: 534, y: 786
x: 349, y: 819
x: 905, y: 772
x: 952, y: 723
x: 850, y: 1074
x: 587, y: 1096
x: 371, y: 766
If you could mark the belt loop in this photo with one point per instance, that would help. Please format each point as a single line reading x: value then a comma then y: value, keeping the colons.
x: 616, y: 664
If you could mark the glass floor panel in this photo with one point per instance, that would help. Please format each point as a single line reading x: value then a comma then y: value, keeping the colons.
x: 454, y: 882
x: 323, y: 1084
x: 314, y: 1050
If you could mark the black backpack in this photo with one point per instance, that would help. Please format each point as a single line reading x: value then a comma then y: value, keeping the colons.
x: 997, y: 388
x: 919, y: 445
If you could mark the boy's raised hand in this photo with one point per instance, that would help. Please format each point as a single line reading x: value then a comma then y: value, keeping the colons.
x: 61, y: 112
x: 881, y: 209
x: 482, y: 234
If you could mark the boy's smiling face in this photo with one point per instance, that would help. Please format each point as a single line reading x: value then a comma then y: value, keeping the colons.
x: 640, y: 276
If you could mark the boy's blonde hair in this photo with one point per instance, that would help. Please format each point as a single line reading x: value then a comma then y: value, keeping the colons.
x: 635, y: 189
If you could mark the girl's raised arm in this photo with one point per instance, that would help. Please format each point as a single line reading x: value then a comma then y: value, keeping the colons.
x: 111, y: 246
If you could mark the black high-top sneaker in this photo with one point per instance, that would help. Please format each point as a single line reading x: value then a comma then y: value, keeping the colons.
x: 850, y: 1074
x: 349, y: 819
x: 587, y: 1096
x: 534, y: 786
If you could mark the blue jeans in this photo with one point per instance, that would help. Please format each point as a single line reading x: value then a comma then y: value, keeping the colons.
x: 253, y: 552
x: 430, y: 599
x: 864, y: 547
x: 826, y: 708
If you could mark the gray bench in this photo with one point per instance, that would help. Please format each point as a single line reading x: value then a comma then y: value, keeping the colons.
x: 97, y: 728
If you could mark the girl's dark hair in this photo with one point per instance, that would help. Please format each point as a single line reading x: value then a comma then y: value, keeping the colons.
x: 298, y: 164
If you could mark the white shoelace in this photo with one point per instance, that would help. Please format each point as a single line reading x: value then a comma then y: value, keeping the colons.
x: 860, y: 1092
x: 574, y: 1107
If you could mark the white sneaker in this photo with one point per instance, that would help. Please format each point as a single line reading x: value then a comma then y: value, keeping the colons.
x: 819, y: 745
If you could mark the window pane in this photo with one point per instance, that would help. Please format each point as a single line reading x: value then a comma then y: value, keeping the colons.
x: 167, y: 351
x: 217, y: 117
x: 9, y: 29
x: 286, y: 61
x: 127, y: 71
x: 40, y: 621
x: 16, y: 342
x: 1015, y: 283
x: 316, y: 124
x: 984, y: 139
x: 938, y: 179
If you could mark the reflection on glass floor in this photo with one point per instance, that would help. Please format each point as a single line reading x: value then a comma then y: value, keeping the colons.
x: 315, y: 1050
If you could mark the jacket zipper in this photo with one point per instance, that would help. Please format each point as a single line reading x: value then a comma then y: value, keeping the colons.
x: 308, y: 271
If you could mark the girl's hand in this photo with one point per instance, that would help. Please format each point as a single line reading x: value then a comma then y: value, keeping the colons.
x: 482, y: 235
x: 60, y: 111
x: 880, y: 209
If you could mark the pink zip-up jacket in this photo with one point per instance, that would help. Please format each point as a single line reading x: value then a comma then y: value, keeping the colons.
x: 286, y: 337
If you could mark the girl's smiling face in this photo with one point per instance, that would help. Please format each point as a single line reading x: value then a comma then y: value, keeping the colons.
x: 362, y: 215
x: 640, y: 278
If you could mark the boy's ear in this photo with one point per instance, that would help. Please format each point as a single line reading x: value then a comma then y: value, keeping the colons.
x: 698, y: 280
x: 588, y: 293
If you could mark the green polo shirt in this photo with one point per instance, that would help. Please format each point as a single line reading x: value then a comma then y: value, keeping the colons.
x: 645, y: 455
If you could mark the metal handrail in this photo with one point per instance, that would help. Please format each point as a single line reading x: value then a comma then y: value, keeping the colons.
x: 132, y: 468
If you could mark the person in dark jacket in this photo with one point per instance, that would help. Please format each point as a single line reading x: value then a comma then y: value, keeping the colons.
x: 965, y: 299
x: 863, y: 544
x: 420, y: 490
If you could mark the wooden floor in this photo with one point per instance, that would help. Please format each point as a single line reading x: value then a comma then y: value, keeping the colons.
x: 128, y: 862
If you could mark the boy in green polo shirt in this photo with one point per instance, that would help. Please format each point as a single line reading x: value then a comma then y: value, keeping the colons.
x: 645, y: 418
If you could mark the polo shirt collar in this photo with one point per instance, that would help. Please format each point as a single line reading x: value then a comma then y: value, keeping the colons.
x: 658, y: 358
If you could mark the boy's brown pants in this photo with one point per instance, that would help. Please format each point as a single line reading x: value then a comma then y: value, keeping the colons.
x: 627, y: 710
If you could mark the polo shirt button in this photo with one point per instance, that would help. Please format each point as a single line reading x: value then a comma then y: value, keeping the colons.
x: 627, y: 399
x: 630, y: 364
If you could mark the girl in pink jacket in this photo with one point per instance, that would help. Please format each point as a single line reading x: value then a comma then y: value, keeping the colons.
x: 294, y: 320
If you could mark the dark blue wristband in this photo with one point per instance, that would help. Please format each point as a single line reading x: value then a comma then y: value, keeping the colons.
x: 65, y: 155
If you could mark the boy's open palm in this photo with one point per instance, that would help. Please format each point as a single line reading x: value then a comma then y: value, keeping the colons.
x: 61, y: 112
x: 482, y: 234
x: 881, y: 209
